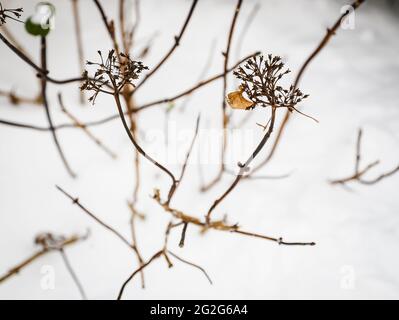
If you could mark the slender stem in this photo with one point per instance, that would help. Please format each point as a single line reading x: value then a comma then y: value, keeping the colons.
x: 325, y: 40
x: 170, y: 52
x: 106, y: 226
x: 134, y: 142
x: 73, y: 273
x: 191, y: 264
x: 79, y: 124
x: 78, y: 32
x: 225, y: 67
x: 15, y: 270
x: 47, y: 109
x: 122, y: 289
x: 244, y: 167
x: 43, y: 73
x: 174, y: 186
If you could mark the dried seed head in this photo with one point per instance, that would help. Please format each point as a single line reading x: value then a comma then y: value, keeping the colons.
x: 114, y: 71
x: 13, y: 14
x: 260, y: 78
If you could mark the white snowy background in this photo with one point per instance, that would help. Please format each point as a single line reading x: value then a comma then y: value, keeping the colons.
x: 353, y: 83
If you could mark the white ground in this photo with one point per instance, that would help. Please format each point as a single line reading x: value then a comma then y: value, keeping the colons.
x: 352, y: 83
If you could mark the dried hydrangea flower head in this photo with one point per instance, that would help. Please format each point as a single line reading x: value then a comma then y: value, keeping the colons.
x: 114, y: 71
x: 49, y: 241
x: 260, y: 78
x: 13, y: 14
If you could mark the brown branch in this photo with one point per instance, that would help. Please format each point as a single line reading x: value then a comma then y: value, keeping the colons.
x: 73, y: 274
x: 328, y: 36
x: 174, y: 186
x: 17, y: 99
x: 183, y: 235
x: 358, y: 174
x: 42, y: 73
x: 134, y: 142
x: 154, y: 257
x: 219, y: 225
x: 106, y: 226
x: 244, y: 167
x: 170, y: 52
x: 79, y: 41
x: 109, y: 24
x: 79, y: 124
x: 225, y: 119
x: 47, y: 109
x: 15, y: 270
x: 191, y: 264
x: 202, y: 75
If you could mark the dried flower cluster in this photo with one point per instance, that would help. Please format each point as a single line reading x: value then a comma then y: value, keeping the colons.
x: 117, y: 70
x: 50, y: 241
x: 13, y: 14
x: 260, y: 82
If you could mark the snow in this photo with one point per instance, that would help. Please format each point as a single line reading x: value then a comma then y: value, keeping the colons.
x: 352, y: 84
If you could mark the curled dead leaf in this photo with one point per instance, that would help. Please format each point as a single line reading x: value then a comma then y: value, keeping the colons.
x: 237, y: 101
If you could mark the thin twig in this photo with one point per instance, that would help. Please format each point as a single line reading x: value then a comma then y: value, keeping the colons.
x: 79, y: 41
x: 73, y: 273
x: 244, y: 167
x: 15, y: 270
x: 358, y: 174
x: 191, y: 264
x: 42, y: 73
x: 106, y: 226
x: 155, y: 256
x: 79, y: 124
x: 47, y: 109
x: 330, y: 33
x: 225, y: 118
x: 174, y: 187
x: 170, y: 52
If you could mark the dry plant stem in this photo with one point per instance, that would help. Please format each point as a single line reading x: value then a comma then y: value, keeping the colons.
x: 45, y: 104
x: 330, y: 33
x: 78, y: 32
x: 183, y: 235
x: 73, y: 274
x: 142, y: 267
x: 79, y: 124
x: 245, y: 167
x: 14, y: 98
x: 358, y: 174
x: 202, y: 75
x: 109, y: 228
x: 15, y: 270
x: 164, y: 252
x: 245, y: 28
x: 225, y: 119
x: 170, y: 52
x: 17, y: 99
x: 191, y: 264
x: 220, y: 225
x: 109, y: 25
x: 42, y: 73
x: 134, y: 142
x: 174, y: 186
x: 128, y: 98
x: 134, y: 215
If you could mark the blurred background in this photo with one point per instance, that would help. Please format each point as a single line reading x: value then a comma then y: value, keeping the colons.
x: 352, y: 83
